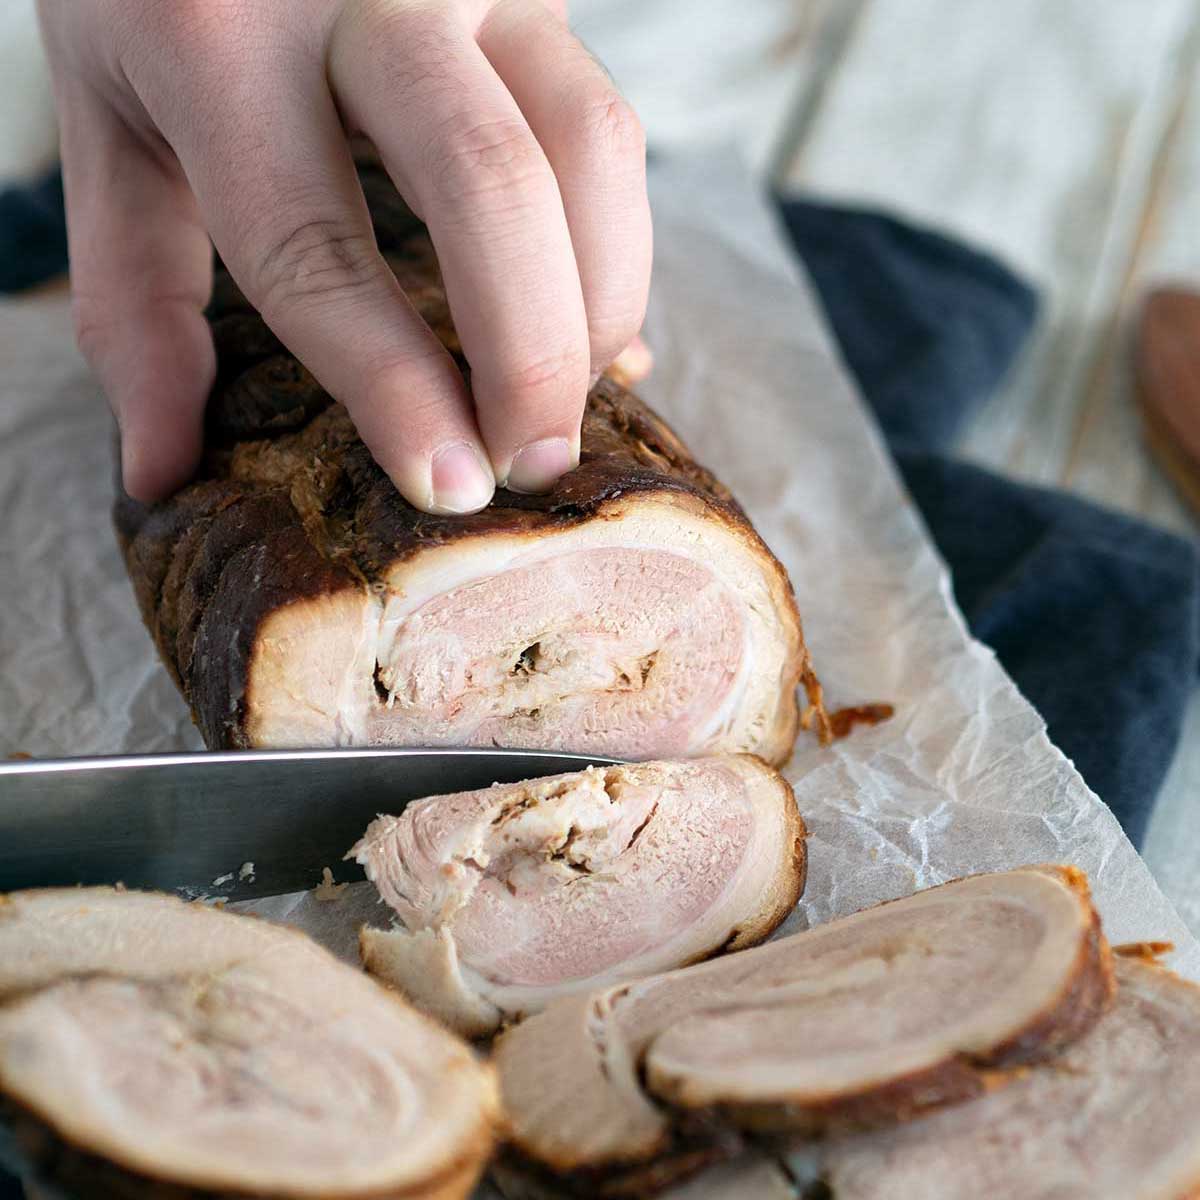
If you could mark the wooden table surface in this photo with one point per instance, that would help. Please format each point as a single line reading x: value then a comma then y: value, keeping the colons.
x: 1062, y: 135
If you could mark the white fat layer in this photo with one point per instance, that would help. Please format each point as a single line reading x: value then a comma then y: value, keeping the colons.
x: 429, y: 863
x: 1115, y: 1117
x: 424, y: 966
x: 1051, y: 910
x: 706, y: 1034
x: 313, y: 677
x: 223, y: 1052
x: 660, y: 528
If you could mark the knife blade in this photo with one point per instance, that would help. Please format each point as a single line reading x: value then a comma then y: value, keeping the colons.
x: 191, y: 822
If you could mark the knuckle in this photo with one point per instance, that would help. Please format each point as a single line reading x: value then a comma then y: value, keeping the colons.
x: 547, y: 379
x: 208, y: 26
x: 477, y: 159
x: 422, y: 379
x: 91, y: 319
x: 612, y: 329
x: 404, y: 49
x: 610, y: 123
x: 314, y: 259
x: 426, y: 34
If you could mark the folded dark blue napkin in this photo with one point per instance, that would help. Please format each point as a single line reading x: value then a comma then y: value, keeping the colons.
x: 1093, y: 614
x: 33, y: 233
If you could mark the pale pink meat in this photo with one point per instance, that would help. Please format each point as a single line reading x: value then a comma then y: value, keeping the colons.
x: 599, y: 650
x: 1117, y: 1117
x: 861, y: 1021
x: 189, y: 1052
x: 564, y: 883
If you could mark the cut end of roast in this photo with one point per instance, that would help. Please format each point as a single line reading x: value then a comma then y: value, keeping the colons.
x: 511, y: 896
x: 1115, y: 1117
x: 657, y: 629
x: 146, y: 1043
x: 299, y: 601
x: 865, y: 1021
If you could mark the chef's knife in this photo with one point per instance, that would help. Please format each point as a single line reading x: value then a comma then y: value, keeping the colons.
x: 234, y: 825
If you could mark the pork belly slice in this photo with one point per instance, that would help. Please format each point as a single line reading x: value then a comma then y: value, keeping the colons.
x: 298, y: 600
x: 152, y: 1047
x: 751, y: 1176
x: 510, y: 896
x: 864, y: 1021
x: 1116, y: 1117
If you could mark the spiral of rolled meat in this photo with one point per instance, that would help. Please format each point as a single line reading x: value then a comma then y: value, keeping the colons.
x: 298, y: 600
x: 154, y: 1048
x: 513, y: 895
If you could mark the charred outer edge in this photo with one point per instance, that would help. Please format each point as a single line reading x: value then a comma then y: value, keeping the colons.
x: 1087, y: 995
x: 700, y: 1141
x: 210, y: 565
x: 76, y: 1172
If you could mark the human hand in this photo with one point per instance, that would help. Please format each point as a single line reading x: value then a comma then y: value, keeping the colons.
x: 182, y: 119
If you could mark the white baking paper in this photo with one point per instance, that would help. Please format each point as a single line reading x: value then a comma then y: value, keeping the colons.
x: 962, y: 779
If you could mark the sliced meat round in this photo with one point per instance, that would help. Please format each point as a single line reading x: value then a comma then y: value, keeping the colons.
x: 148, y: 1046
x: 515, y: 894
x: 863, y: 1021
x: 749, y: 1177
x: 1116, y: 1117
x: 298, y: 600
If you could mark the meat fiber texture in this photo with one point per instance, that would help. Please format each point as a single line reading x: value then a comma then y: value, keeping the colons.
x: 862, y: 1022
x: 1115, y: 1117
x: 513, y: 895
x: 152, y: 1047
x: 298, y: 600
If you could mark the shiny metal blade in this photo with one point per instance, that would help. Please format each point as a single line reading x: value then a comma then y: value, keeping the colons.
x: 189, y: 822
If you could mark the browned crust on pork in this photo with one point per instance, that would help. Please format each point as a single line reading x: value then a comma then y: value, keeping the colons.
x: 289, y: 506
x: 777, y: 901
x: 73, y: 1171
x: 1085, y: 996
x: 53, y: 1159
x: 697, y: 1143
x: 1147, y: 952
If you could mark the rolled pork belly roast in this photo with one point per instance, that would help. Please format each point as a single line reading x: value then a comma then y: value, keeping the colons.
x: 865, y: 1021
x: 150, y: 1047
x: 298, y: 600
x: 513, y: 895
x: 1116, y: 1117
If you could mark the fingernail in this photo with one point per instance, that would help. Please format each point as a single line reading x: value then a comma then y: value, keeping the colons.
x: 537, y: 467
x: 461, y: 480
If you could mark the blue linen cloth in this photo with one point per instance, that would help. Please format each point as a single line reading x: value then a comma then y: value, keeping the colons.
x: 1095, y: 615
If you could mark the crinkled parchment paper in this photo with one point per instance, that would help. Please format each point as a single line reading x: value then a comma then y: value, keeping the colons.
x: 962, y: 779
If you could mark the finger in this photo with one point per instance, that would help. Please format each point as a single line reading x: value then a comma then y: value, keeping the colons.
x: 141, y: 270
x: 633, y: 364
x: 472, y: 167
x: 596, y: 147
x: 288, y: 217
